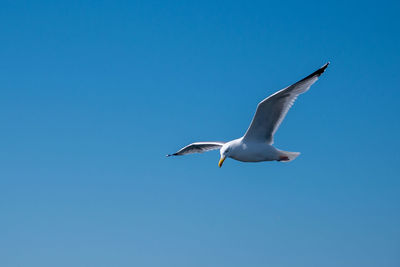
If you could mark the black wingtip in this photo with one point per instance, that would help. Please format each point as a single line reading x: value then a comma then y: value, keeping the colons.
x: 321, y: 70
x: 317, y: 72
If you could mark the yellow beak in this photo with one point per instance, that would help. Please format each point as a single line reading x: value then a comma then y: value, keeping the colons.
x: 221, y: 161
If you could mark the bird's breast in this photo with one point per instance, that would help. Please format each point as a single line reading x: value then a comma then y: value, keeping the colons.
x: 254, y: 152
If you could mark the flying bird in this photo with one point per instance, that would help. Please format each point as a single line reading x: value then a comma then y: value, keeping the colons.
x: 257, y: 143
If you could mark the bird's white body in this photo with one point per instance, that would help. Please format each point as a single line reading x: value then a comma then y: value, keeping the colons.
x: 250, y: 151
x: 256, y: 144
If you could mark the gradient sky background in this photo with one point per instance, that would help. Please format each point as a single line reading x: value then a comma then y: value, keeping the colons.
x: 95, y: 93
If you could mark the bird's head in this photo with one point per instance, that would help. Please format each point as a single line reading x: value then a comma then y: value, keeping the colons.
x: 224, y: 152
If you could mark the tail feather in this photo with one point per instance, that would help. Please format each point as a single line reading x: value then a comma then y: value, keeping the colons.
x: 288, y: 156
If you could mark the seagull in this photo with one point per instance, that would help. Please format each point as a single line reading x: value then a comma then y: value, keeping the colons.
x: 257, y: 143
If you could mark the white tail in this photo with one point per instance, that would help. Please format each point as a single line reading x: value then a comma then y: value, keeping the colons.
x: 288, y: 156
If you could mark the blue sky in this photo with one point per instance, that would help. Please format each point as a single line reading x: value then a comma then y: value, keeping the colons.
x: 95, y: 93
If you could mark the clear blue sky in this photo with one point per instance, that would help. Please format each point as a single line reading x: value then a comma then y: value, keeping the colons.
x: 95, y: 93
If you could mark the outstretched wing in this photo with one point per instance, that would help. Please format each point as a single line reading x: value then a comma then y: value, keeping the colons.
x: 198, y: 147
x: 272, y: 110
